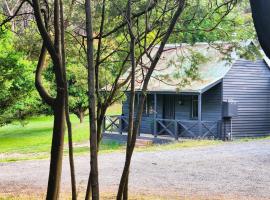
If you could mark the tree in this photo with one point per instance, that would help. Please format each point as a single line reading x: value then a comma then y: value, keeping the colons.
x: 76, y: 79
x: 52, y: 27
x: 78, y: 98
x: 18, y: 98
x: 57, y: 103
x: 77, y: 86
x: 93, y: 183
x: 261, y: 19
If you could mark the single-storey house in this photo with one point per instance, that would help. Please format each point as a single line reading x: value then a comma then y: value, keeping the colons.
x: 229, y: 98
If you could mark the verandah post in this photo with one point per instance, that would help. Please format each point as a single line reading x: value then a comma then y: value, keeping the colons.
x: 120, y: 125
x: 155, y: 115
x: 200, y: 113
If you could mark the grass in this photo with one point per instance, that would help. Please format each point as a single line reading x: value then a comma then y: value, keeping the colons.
x: 253, y: 138
x: 34, y: 140
x: 181, y: 144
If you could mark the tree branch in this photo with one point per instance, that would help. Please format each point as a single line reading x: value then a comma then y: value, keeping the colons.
x: 38, y: 82
x: 42, y: 29
x: 12, y: 15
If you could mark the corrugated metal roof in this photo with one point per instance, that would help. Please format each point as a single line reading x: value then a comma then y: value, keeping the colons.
x: 169, y: 72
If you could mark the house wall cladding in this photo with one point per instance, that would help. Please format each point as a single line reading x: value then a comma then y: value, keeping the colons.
x: 212, y: 104
x: 248, y: 83
x: 147, y: 124
x: 211, y: 112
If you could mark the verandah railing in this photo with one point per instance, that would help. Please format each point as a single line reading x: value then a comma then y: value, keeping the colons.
x: 174, y: 128
x: 188, y: 128
x: 115, y: 123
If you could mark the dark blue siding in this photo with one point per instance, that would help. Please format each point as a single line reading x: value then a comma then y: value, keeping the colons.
x: 212, y: 104
x: 248, y: 83
x: 211, y: 110
x: 183, y: 111
x: 147, y: 124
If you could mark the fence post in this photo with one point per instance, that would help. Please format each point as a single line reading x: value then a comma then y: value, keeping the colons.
x: 175, y: 130
x: 155, y: 127
x: 120, y: 125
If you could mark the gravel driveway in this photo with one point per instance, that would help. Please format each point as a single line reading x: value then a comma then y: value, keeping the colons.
x: 227, y: 171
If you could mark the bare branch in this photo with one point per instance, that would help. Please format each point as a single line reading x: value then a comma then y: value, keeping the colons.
x: 38, y: 80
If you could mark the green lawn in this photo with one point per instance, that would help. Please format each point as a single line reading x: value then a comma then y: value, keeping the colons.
x: 35, y: 137
x: 34, y: 140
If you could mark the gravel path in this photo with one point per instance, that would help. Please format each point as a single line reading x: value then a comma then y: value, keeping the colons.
x: 228, y: 171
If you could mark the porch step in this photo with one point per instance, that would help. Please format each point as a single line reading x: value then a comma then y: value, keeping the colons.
x: 143, y: 142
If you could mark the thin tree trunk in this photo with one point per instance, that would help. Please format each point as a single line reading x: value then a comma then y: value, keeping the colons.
x: 68, y: 122
x: 125, y: 193
x: 81, y: 116
x: 58, y: 130
x: 93, y: 176
x: 10, y: 13
x: 123, y: 186
x: 100, y: 121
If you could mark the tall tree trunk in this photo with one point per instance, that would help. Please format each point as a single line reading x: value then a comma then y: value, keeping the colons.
x: 56, y: 49
x: 59, y: 112
x: 53, y: 188
x: 68, y: 122
x: 123, y: 186
x: 58, y: 103
x: 93, y: 176
x: 58, y: 106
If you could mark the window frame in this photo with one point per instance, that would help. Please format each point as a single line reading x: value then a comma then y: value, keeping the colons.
x: 194, y: 115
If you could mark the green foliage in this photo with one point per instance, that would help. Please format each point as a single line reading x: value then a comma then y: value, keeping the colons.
x: 207, y: 21
x: 77, y: 82
x: 18, y: 98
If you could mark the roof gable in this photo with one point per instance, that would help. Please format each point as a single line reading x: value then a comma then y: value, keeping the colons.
x: 167, y: 74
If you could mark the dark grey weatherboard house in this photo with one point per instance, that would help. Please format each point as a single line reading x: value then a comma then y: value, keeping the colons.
x: 228, y: 100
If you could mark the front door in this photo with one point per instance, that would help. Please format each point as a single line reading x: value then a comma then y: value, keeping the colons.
x: 168, y: 107
x: 168, y: 114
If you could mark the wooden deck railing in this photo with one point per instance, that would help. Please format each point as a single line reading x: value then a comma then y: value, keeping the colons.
x: 175, y: 128
x: 115, y: 123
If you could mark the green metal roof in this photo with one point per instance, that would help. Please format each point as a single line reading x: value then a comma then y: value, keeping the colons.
x: 168, y: 73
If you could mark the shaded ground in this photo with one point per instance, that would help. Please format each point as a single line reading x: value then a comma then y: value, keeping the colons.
x: 165, y: 139
x: 229, y: 171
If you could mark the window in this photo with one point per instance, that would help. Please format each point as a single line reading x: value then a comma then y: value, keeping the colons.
x: 194, y: 108
x: 148, y: 104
